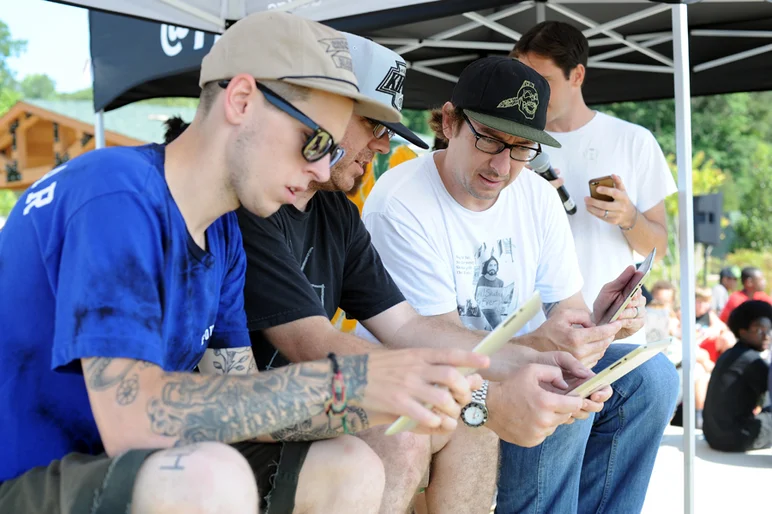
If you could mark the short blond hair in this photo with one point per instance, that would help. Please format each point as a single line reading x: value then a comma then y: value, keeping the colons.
x: 704, y: 294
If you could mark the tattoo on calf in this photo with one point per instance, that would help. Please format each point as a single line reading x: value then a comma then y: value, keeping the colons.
x: 240, y: 407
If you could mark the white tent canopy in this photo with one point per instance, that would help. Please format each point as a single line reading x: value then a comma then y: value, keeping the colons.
x: 214, y: 15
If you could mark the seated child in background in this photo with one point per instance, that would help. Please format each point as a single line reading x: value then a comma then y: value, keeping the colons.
x: 733, y: 420
x: 712, y: 334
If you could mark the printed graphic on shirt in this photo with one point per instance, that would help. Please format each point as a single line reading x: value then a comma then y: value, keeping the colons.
x: 319, y: 288
x: 485, y: 284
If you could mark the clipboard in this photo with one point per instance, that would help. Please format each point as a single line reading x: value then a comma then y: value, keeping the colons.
x: 493, y: 342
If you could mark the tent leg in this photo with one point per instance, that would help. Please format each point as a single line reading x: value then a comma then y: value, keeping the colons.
x: 686, y: 237
x: 99, y: 129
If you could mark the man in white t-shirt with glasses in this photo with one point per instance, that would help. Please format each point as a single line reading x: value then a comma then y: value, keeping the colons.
x: 468, y: 235
x: 607, y: 234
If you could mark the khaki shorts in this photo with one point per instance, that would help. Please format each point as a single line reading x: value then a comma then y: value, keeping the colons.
x: 77, y: 484
x: 96, y: 484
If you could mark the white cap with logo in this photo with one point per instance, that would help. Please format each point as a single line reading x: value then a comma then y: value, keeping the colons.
x: 380, y: 73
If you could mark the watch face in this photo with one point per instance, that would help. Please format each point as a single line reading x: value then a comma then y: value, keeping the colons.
x: 474, y: 415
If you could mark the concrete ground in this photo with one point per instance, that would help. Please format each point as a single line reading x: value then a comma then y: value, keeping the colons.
x: 723, y: 482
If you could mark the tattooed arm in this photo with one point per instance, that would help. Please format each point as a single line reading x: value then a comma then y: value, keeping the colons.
x: 228, y: 361
x: 138, y: 405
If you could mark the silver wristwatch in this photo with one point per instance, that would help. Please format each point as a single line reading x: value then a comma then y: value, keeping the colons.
x: 475, y: 413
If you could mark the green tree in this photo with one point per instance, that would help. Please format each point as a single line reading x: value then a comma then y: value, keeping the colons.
x: 38, y: 85
x: 754, y: 229
x: 8, y: 97
x: 417, y: 121
x: 82, y: 94
x: 9, y: 47
x: 7, y: 201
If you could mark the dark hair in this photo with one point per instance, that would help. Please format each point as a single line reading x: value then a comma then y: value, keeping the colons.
x: 746, y: 313
x: 561, y: 42
x: 174, y: 127
x: 487, y: 263
x: 435, y: 123
x: 748, y: 273
x: 208, y: 93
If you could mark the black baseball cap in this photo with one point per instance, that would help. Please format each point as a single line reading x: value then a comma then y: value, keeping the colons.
x: 505, y: 94
x: 730, y: 272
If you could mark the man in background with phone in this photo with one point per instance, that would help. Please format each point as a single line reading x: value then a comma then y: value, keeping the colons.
x: 614, y: 170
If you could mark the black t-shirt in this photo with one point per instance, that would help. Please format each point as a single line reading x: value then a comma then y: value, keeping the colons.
x: 736, y: 387
x: 302, y: 264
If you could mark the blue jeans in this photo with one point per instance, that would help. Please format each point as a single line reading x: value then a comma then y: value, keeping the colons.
x: 603, y: 463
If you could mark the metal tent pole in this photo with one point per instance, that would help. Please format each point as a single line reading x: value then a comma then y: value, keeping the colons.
x: 99, y: 129
x: 686, y: 235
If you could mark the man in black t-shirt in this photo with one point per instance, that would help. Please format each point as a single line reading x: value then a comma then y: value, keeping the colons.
x: 315, y: 255
x: 733, y: 419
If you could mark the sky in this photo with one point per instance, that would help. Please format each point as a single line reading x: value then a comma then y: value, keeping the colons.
x: 57, y: 41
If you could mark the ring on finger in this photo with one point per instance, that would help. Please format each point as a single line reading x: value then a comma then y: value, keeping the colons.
x: 605, y: 214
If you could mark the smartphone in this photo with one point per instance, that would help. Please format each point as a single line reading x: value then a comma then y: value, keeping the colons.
x: 607, y: 181
x: 631, y: 288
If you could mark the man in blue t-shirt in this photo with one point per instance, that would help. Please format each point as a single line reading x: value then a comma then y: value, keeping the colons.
x: 123, y: 270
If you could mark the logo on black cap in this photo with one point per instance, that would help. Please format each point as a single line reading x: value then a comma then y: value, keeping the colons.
x: 527, y: 100
x: 393, y: 82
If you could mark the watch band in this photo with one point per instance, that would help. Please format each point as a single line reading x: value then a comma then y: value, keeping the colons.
x: 480, y: 395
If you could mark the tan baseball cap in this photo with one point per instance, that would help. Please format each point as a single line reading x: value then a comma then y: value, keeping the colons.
x: 273, y: 45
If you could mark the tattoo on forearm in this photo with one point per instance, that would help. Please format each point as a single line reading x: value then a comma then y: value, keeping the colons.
x: 100, y: 378
x: 240, y: 407
x: 329, y: 428
x: 549, y: 307
x: 234, y: 360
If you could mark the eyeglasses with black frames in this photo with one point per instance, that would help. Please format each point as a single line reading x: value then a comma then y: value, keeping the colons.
x: 494, y: 146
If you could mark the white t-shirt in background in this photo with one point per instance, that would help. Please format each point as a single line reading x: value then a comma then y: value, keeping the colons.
x: 445, y: 257
x: 606, y: 146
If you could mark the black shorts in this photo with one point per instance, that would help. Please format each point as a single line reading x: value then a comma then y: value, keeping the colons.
x: 277, y: 468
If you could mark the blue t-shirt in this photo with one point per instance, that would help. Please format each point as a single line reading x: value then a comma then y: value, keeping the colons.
x: 96, y: 261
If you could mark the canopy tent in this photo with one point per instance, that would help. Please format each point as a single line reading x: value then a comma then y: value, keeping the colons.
x: 631, y: 46
x: 427, y: 34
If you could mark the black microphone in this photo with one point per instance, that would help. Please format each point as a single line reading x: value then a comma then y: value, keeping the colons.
x: 541, y: 165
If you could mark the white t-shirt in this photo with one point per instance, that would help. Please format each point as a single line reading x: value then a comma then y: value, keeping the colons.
x: 484, y: 264
x: 606, y: 146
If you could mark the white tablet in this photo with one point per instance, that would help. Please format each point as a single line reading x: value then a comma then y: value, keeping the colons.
x: 493, y: 342
x: 620, y: 368
x: 623, y: 300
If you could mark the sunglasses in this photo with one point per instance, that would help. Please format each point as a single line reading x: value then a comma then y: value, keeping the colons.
x: 318, y: 144
x: 379, y: 129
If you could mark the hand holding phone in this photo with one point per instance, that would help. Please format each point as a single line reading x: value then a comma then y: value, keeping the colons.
x: 607, y: 181
x: 611, y: 309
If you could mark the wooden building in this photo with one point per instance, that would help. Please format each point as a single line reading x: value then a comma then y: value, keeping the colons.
x: 38, y: 135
